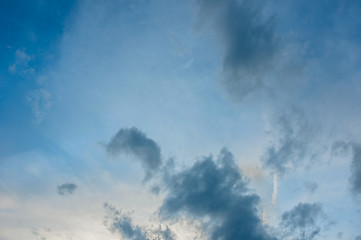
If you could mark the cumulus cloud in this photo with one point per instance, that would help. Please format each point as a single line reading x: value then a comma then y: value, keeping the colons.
x: 249, y: 42
x: 134, y: 142
x: 302, y: 222
x: 215, y: 193
x: 293, y: 143
x: 119, y: 222
x: 67, y: 188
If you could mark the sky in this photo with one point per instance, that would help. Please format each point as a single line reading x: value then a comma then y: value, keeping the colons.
x: 193, y: 119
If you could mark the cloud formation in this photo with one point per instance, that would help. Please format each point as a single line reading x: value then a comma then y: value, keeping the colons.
x: 120, y: 222
x: 301, y: 221
x: 355, y: 179
x: 67, y: 189
x: 249, y: 42
x: 40, y: 102
x: 293, y: 144
x: 311, y: 186
x: 214, y: 192
x: 341, y: 147
x: 134, y: 142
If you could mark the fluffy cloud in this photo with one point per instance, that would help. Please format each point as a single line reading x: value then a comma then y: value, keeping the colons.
x: 214, y: 192
x: 249, y: 42
x: 134, y: 142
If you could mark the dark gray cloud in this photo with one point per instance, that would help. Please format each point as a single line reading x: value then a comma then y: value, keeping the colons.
x: 249, y: 42
x: 134, y: 142
x: 341, y: 147
x: 121, y: 223
x: 302, y: 222
x: 355, y: 179
x: 311, y: 186
x: 215, y: 193
x: 358, y: 238
x: 67, y: 188
x: 293, y: 143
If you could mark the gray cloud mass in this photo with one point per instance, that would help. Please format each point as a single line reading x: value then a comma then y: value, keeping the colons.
x: 341, y: 147
x: 249, y: 42
x: 356, y: 170
x: 134, y: 142
x: 67, y: 189
x: 301, y: 221
x: 214, y: 192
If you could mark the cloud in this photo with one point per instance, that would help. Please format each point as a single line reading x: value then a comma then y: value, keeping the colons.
x: 21, y: 64
x: 358, y: 238
x: 120, y: 222
x: 341, y: 147
x: 355, y: 178
x: 40, y: 102
x: 134, y: 142
x: 302, y: 221
x: 275, y: 189
x: 293, y: 144
x: 311, y: 186
x: 67, y: 189
x: 215, y: 193
x: 249, y: 42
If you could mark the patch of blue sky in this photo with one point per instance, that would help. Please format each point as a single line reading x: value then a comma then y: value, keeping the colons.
x: 30, y: 33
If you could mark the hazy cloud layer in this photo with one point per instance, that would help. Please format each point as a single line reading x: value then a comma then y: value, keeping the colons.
x: 67, y: 188
x: 301, y: 222
x: 293, y: 143
x: 119, y: 222
x: 134, y: 142
x: 214, y: 192
x: 249, y: 42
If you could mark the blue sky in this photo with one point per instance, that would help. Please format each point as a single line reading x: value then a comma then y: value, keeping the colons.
x: 195, y: 119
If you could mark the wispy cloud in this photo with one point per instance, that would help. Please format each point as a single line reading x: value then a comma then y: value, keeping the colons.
x: 341, y: 147
x: 293, y: 142
x: 248, y: 39
x: 134, y: 142
x: 40, y: 102
x: 301, y: 222
x: 311, y: 187
x: 120, y: 222
x: 67, y: 189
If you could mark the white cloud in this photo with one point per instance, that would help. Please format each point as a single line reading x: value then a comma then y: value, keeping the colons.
x: 40, y: 102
